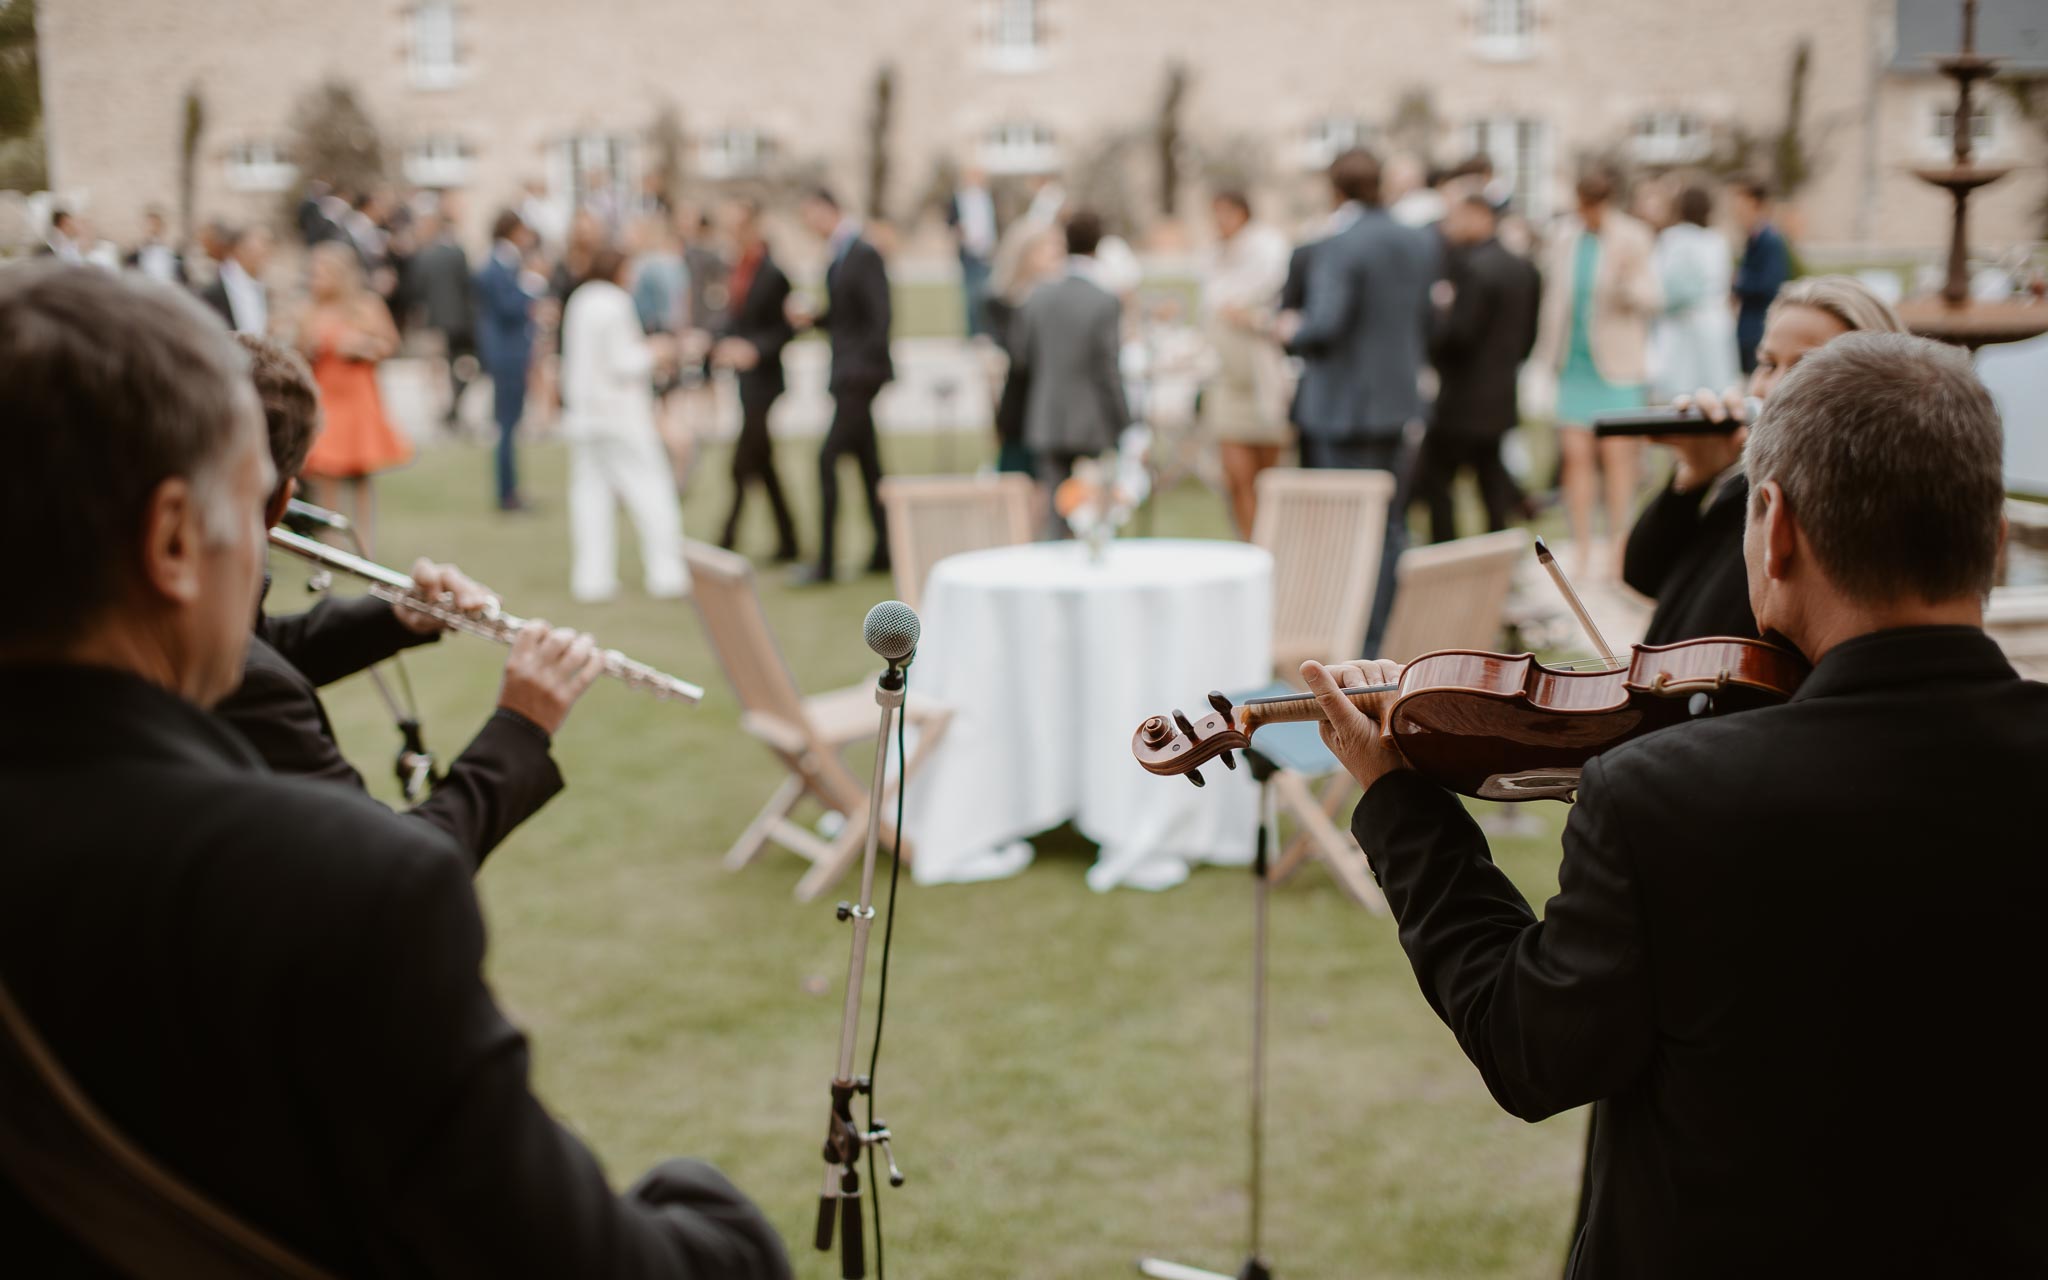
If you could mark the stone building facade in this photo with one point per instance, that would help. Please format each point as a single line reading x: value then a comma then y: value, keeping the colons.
x: 485, y: 95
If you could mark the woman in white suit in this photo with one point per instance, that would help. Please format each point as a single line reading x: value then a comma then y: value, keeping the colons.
x: 615, y: 454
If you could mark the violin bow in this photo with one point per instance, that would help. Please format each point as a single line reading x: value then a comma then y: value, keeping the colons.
x: 1571, y: 597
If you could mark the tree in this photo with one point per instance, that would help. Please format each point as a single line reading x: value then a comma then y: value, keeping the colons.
x: 1414, y: 125
x: 668, y: 142
x: 1167, y: 136
x: 22, y: 162
x: 879, y: 113
x: 334, y: 140
x: 1791, y: 159
x: 188, y: 159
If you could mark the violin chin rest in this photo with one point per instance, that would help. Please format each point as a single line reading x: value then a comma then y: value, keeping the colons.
x: 1531, y: 784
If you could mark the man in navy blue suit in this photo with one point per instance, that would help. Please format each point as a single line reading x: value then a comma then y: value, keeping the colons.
x: 1766, y: 266
x: 505, y: 292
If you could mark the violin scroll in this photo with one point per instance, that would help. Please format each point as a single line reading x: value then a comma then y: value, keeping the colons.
x: 1173, y: 744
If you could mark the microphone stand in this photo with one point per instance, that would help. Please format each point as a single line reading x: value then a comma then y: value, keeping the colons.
x: 1254, y: 1267
x: 844, y: 1139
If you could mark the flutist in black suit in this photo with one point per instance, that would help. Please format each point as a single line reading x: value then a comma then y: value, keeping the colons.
x: 271, y: 986
x: 505, y: 774
x: 1792, y: 949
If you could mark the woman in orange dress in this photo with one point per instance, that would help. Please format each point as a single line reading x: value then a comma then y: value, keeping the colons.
x: 345, y: 332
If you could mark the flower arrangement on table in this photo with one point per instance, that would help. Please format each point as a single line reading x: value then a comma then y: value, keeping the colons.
x: 1099, y: 498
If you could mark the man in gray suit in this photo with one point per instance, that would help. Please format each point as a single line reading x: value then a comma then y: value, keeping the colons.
x: 1363, y: 337
x: 1069, y: 334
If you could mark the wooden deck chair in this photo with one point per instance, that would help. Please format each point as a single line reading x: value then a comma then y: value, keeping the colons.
x: 806, y: 733
x: 1452, y: 595
x: 932, y: 517
x: 2017, y: 617
x: 1324, y: 530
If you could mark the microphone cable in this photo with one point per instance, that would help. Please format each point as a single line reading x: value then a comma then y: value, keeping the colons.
x: 882, y: 988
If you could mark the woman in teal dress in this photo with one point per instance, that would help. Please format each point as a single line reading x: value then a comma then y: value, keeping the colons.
x: 1602, y: 296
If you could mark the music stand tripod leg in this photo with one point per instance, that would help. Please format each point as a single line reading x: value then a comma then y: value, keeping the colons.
x: 1254, y: 1267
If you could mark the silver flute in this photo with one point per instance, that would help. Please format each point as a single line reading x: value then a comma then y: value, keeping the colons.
x: 490, y: 622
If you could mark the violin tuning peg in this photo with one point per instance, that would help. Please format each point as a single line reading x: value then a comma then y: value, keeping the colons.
x: 1195, y: 776
x: 1221, y: 703
x: 1229, y: 760
x: 1180, y: 719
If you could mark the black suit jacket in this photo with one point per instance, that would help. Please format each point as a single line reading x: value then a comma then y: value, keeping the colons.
x: 1479, y: 343
x: 501, y: 779
x: 762, y: 319
x: 215, y: 295
x: 437, y: 281
x: 274, y: 987
x: 1685, y: 552
x: 858, y: 318
x: 1792, y: 961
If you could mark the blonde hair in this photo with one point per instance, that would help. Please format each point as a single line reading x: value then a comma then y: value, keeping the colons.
x: 1845, y: 298
x: 344, y: 257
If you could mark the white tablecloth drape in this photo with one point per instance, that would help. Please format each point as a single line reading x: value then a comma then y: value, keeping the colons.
x: 1050, y: 661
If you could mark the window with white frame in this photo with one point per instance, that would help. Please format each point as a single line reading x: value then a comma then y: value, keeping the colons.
x: 592, y: 171
x: 1941, y: 130
x: 1520, y: 150
x: 439, y: 162
x: 433, y: 54
x: 1669, y: 137
x: 1013, y: 34
x: 734, y: 153
x: 1018, y: 147
x: 1327, y: 137
x: 1505, y: 30
x: 258, y: 166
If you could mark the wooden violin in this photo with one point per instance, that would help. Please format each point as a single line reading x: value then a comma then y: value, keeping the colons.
x: 1504, y: 726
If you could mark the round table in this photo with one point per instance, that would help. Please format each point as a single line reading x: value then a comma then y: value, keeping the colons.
x: 1049, y: 660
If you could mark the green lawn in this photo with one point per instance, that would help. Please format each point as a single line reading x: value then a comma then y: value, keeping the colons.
x: 1065, y: 1069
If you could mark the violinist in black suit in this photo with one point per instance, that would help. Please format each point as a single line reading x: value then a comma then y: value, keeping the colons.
x: 271, y: 986
x: 1789, y: 945
x: 1685, y: 551
x: 750, y: 342
x: 505, y: 774
x: 857, y: 318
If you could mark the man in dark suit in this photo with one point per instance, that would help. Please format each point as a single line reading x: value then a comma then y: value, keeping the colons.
x: 1766, y: 266
x: 1478, y: 344
x: 750, y: 343
x: 1795, y: 1069
x: 505, y: 292
x: 1362, y: 336
x: 1068, y: 341
x: 154, y: 255
x: 237, y: 294
x: 505, y: 774
x: 437, y: 282
x: 272, y: 987
x: 858, y: 318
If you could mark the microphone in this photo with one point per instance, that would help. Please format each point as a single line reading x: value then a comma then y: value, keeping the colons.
x: 1669, y: 421
x: 891, y: 630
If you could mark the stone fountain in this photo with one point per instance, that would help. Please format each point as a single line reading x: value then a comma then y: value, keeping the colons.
x: 1951, y: 315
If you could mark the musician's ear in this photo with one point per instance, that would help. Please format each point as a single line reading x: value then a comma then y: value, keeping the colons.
x: 280, y: 499
x: 173, y: 541
x: 1778, y: 531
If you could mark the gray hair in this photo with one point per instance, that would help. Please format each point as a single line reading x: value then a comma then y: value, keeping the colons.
x: 1845, y: 298
x: 112, y: 385
x: 1890, y: 454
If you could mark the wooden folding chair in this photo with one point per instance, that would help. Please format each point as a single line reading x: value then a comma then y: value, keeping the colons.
x: 2017, y: 617
x: 807, y: 734
x: 1324, y: 530
x: 1452, y: 595
x: 932, y: 517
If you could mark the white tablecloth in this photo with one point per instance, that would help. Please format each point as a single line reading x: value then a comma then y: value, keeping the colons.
x: 1050, y: 662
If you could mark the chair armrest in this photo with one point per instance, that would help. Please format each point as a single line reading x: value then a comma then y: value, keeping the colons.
x: 776, y: 732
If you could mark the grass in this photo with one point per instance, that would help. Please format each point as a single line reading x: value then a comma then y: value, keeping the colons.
x: 1065, y: 1069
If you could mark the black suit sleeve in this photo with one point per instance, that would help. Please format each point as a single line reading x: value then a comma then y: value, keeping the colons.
x: 337, y: 638
x: 1661, y: 536
x: 767, y: 326
x: 1459, y: 327
x: 438, y: 1138
x: 1109, y: 375
x: 501, y: 779
x: 1331, y: 302
x: 1555, y: 1012
x: 281, y: 718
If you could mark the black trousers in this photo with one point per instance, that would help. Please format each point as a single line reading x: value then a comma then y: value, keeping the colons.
x: 1052, y: 470
x: 1377, y: 451
x: 1442, y: 457
x: 753, y: 458
x: 852, y: 433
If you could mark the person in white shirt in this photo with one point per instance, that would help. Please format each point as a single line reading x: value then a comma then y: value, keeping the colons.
x: 972, y: 216
x: 1692, y: 344
x: 615, y: 453
x: 237, y: 295
x: 155, y: 256
x: 62, y: 242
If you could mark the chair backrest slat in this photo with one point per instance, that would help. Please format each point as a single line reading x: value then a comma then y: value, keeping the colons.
x: 1453, y: 595
x: 1324, y: 530
x: 932, y: 517
x: 722, y: 589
